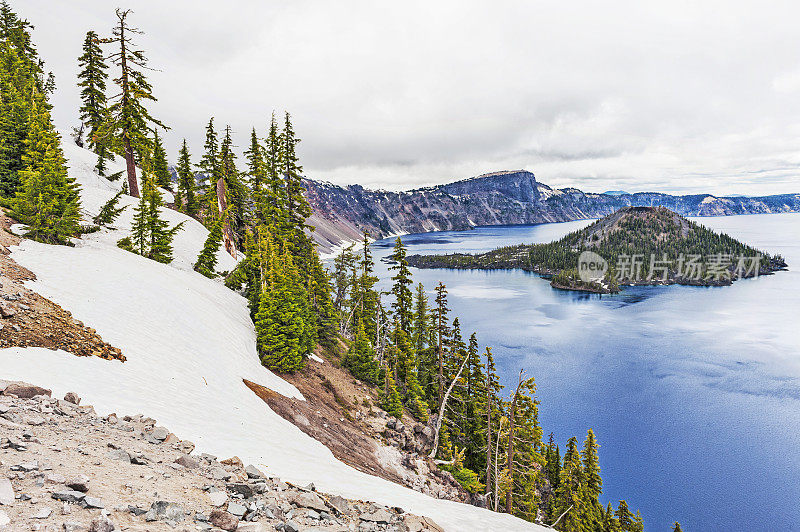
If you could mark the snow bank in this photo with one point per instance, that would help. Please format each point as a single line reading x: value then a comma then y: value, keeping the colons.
x: 189, y: 342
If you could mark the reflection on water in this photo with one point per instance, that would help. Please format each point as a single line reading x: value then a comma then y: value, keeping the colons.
x: 694, y: 392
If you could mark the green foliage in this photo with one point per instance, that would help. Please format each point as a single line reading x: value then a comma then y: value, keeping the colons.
x: 92, y: 81
x: 109, y: 211
x: 186, y: 193
x: 151, y: 235
x: 360, y: 358
x: 468, y: 478
x: 400, y: 287
x: 391, y: 401
x: 207, y: 260
x: 159, y: 164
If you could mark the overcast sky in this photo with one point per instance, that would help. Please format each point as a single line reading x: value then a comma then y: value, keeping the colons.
x: 668, y: 96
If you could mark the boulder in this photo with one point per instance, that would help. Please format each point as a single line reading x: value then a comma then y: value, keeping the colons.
x: 171, y: 438
x: 160, y: 433
x: 78, y: 483
x: 119, y: 454
x: 73, y: 398
x: 92, y: 502
x: 339, y: 504
x: 415, y: 523
x: 253, y: 472
x: 6, y: 492
x: 165, y: 511
x: 101, y: 524
x: 26, y: 391
x: 246, y: 490
x: 218, y: 498
x: 72, y: 526
x: 43, y: 513
x: 68, y: 495
x: 236, y: 509
x: 309, y: 499
x: 185, y: 446
x: 224, y: 520
x: 378, y: 515
x: 234, y: 461
x: 7, y: 311
x: 187, y: 461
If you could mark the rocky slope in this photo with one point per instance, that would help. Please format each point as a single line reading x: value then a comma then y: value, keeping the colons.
x: 64, y: 468
x: 500, y: 198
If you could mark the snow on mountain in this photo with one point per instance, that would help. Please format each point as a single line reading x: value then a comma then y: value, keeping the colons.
x: 189, y: 341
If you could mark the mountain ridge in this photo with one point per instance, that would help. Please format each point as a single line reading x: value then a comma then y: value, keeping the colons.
x: 513, y: 197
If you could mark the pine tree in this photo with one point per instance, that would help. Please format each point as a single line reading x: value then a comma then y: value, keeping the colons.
x: 420, y: 329
x: 209, y: 164
x: 109, y: 211
x: 128, y: 119
x: 676, y: 527
x: 47, y: 201
x: 571, y: 494
x: 207, y: 260
x: 391, y: 401
x: 400, y: 288
x: 185, y: 197
x: 280, y: 325
x: 92, y: 80
x: 360, y: 358
x: 591, y: 466
x: 160, y: 166
x: 297, y: 206
x: 151, y: 235
x: 256, y: 167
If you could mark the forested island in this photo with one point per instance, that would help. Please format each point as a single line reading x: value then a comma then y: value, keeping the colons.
x: 635, y: 246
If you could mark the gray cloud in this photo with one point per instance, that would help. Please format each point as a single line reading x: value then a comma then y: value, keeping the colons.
x: 689, y: 97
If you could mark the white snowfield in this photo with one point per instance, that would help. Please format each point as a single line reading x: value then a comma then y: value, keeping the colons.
x: 189, y: 343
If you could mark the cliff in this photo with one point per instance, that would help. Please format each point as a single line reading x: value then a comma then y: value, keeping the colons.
x: 500, y: 198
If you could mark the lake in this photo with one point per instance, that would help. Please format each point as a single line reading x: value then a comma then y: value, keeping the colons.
x: 693, y: 392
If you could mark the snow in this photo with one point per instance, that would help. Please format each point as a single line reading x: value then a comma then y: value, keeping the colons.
x: 189, y: 342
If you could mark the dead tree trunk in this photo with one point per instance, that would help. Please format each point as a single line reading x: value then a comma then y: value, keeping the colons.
x: 488, y: 435
x: 227, y: 232
x: 510, y: 457
x: 441, y: 408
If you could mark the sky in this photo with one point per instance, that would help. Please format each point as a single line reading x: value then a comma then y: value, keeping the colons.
x: 681, y: 97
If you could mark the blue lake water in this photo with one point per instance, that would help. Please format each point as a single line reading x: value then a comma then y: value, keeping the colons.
x: 693, y: 392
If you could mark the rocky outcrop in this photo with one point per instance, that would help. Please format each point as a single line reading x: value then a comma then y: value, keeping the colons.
x: 500, y: 198
x: 58, y: 475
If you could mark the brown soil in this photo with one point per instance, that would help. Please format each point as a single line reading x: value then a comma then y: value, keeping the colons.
x: 37, y: 321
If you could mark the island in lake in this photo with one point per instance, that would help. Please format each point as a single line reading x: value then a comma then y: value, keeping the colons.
x: 632, y: 246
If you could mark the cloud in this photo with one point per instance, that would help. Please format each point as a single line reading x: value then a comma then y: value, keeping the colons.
x: 686, y: 97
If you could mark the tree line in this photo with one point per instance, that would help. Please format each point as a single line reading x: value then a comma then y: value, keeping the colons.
x: 489, y: 438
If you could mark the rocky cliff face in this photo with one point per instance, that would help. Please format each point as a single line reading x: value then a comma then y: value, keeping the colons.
x: 500, y: 198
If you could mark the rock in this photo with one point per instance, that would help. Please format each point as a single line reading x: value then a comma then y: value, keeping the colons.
x: 4, y: 519
x: 236, y: 509
x: 72, y: 397
x: 171, y: 438
x: 253, y: 472
x: 415, y: 523
x: 7, y: 311
x: 92, y: 502
x: 68, y: 495
x: 160, y: 433
x: 309, y: 500
x: 241, y: 488
x: 224, y: 520
x: 6, y: 492
x: 252, y: 527
x: 78, y: 483
x: 34, y: 420
x: 112, y: 418
x: 72, y: 526
x: 218, y: 498
x: 234, y: 461
x: 55, y: 478
x: 25, y: 466
x: 101, y: 524
x: 43, y: 513
x: 187, y: 461
x: 119, y: 454
x: 339, y: 504
x: 290, y: 526
x: 217, y: 473
x: 378, y: 515
x: 26, y: 391
x: 185, y: 446
x: 165, y: 511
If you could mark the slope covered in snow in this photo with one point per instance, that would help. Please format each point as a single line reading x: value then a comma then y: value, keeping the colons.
x: 189, y: 342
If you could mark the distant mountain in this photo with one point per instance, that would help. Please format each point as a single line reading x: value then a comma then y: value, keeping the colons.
x: 500, y: 198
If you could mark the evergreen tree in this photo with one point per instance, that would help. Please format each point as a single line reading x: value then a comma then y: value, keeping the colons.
x: 207, y: 260
x: 280, y: 321
x: 591, y: 466
x: 676, y: 527
x: 160, y: 166
x: 420, y: 330
x: 47, y: 201
x: 391, y: 401
x: 360, y: 358
x: 209, y: 164
x: 400, y: 288
x: 109, y: 211
x: 128, y: 119
x: 297, y: 207
x: 185, y: 197
x: 92, y: 80
x: 256, y: 167
x: 571, y: 494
